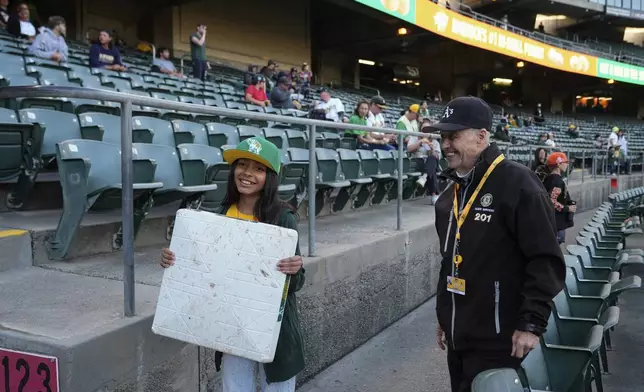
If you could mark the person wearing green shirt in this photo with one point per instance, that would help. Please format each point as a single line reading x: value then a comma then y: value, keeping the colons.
x: 198, y: 52
x: 424, y: 110
x: 364, y: 138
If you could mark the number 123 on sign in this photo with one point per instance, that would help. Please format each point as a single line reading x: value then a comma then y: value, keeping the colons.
x: 26, y: 372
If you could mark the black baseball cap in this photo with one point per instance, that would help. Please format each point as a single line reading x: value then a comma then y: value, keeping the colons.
x: 379, y: 101
x: 465, y: 113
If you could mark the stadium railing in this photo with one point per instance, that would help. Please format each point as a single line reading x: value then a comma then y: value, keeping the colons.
x: 126, y: 101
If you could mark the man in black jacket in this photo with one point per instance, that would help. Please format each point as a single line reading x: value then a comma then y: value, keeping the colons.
x: 502, y: 265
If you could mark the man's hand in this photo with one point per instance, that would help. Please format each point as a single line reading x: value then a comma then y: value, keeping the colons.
x: 440, y: 338
x: 523, y: 342
x: 57, y: 57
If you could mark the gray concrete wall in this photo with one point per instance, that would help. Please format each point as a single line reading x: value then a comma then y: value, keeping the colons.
x: 351, y: 293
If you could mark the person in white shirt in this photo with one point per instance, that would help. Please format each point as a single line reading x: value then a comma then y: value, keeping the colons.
x: 613, y: 147
x: 377, y: 120
x: 550, y: 140
x: 333, y: 107
x: 430, y: 151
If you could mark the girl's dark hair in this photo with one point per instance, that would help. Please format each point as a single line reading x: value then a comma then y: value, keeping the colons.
x: 423, y: 102
x: 110, y: 34
x: 269, y: 207
x: 356, y: 111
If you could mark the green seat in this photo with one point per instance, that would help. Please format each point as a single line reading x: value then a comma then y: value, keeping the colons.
x: 199, y: 162
x: 107, y: 126
x: 497, y: 380
x: 331, y: 140
x: 57, y: 126
x: 296, y: 138
x: 360, y: 190
x: 247, y: 131
x: 189, y: 132
x: 172, y: 115
x: 294, y: 172
x: 222, y: 134
x: 152, y: 130
x: 559, y: 368
x: 277, y: 136
x: 165, y: 163
x: 8, y: 116
x: 90, y: 177
x: 371, y: 168
x: 330, y: 178
x: 20, y: 146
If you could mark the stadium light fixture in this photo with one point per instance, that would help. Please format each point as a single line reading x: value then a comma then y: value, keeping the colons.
x: 578, y: 97
x: 502, y: 81
x: 403, y: 82
x: 395, y: 79
x: 520, y: 64
x: 543, y: 18
x: 402, y: 31
x: 417, y: 84
x: 366, y: 62
x: 611, y: 81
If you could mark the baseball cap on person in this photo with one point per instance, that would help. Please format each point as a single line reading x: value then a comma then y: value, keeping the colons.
x: 414, y: 108
x: 556, y: 158
x: 465, y: 113
x: 257, y: 149
x: 379, y: 101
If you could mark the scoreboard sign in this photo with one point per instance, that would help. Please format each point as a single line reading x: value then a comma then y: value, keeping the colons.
x: 27, y: 372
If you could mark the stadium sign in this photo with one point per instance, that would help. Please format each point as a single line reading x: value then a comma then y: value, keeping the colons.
x: 449, y: 24
x: 608, y: 69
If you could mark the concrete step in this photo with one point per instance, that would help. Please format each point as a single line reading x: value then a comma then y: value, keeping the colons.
x: 95, y: 235
x: 16, y: 249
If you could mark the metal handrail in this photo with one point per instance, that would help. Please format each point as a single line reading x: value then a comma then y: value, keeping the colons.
x: 127, y: 100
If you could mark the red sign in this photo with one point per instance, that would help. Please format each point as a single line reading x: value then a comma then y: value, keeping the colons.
x: 25, y: 372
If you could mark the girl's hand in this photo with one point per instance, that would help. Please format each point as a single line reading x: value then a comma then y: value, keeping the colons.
x: 290, y: 265
x: 167, y: 258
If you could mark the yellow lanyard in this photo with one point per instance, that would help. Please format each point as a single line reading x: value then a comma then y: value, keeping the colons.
x: 460, y: 218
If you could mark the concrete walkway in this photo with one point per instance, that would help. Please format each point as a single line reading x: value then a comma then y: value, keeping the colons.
x: 405, y: 357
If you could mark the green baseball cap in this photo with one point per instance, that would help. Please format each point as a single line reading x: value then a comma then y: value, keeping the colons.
x: 258, y: 149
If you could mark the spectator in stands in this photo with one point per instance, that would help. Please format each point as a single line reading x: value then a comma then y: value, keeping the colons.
x: 252, y: 194
x: 332, y: 107
x: 20, y: 25
x: 376, y: 119
x: 409, y: 120
x: 256, y: 92
x: 613, y: 149
x: 424, y: 110
x: 550, y: 140
x: 305, y: 78
x: 248, y: 76
x: 269, y: 70
x: 556, y: 187
x: 281, y: 95
x: 430, y: 151
x: 540, y: 155
x: 364, y: 139
x: 502, y: 132
x: 50, y: 44
x: 599, y: 141
x: 165, y: 65
x: 198, y: 52
x: 622, y: 142
x: 499, y: 274
x: 541, y: 141
x: 573, y: 131
x: 538, y: 114
x: 4, y: 13
x: 105, y: 55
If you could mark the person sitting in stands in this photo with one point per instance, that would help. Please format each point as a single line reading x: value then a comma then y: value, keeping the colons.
x: 20, y: 25
x: 538, y: 114
x: 256, y: 92
x: 4, y: 13
x: 281, y: 95
x: 573, y: 131
x: 364, y: 139
x: 502, y: 132
x: 164, y: 64
x: 105, y: 55
x: 50, y: 44
x: 248, y: 76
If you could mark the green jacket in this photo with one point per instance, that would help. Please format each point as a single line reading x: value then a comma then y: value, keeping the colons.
x: 289, y: 354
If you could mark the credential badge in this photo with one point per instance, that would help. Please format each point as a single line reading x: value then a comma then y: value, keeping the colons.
x: 486, y: 200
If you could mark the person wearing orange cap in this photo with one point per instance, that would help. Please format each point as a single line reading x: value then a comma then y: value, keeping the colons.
x: 557, y: 163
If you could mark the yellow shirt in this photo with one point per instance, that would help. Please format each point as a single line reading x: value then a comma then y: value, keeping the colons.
x: 233, y: 212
